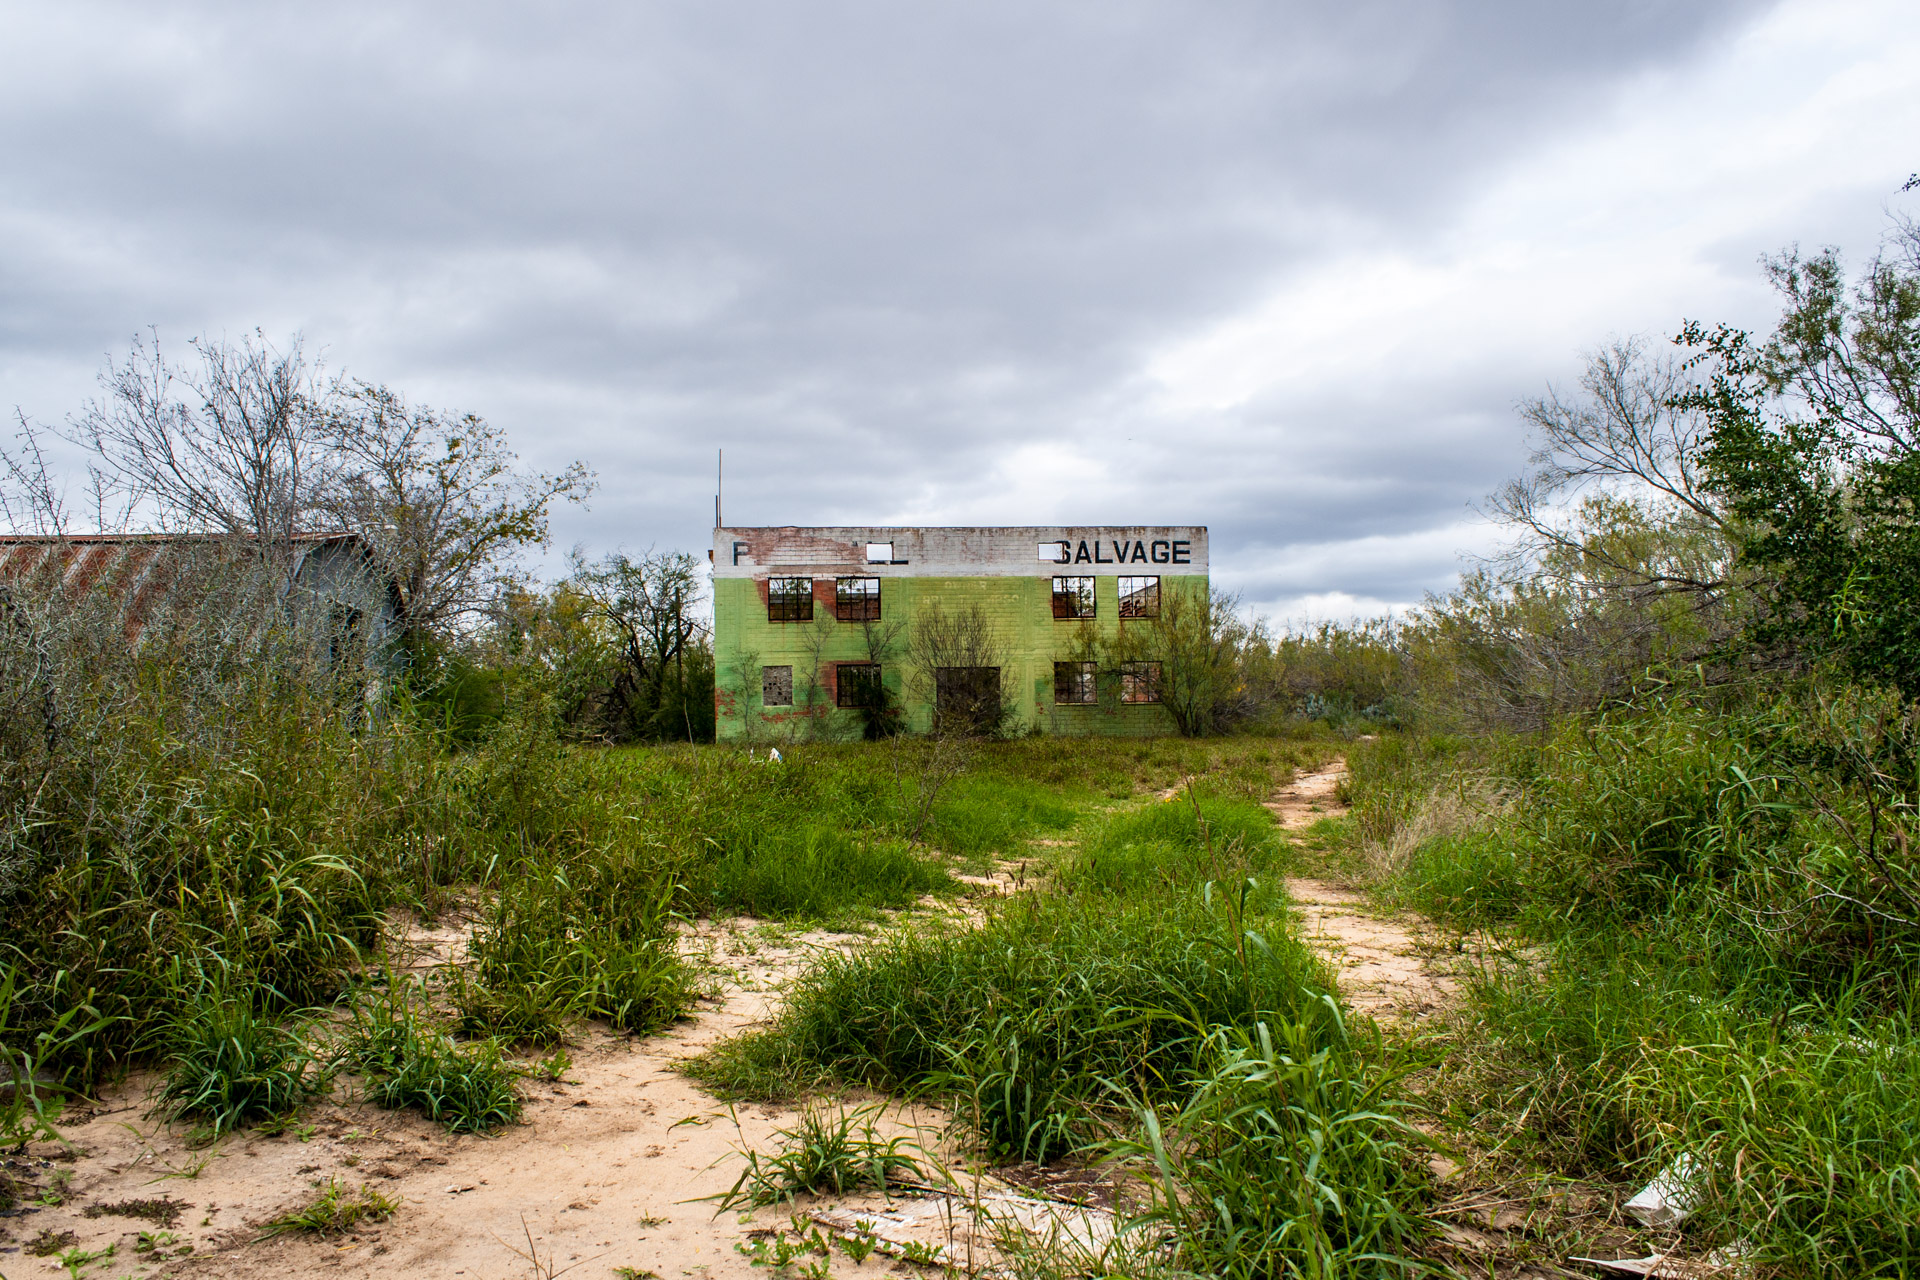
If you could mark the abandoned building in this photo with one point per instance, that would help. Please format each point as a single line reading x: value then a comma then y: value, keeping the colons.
x: 1023, y: 627
x: 325, y: 585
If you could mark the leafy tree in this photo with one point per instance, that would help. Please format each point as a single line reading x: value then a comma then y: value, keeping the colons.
x: 649, y: 606
x: 1814, y: 447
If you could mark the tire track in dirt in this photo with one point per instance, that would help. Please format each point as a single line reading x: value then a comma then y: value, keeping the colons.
x: 1380, y: 958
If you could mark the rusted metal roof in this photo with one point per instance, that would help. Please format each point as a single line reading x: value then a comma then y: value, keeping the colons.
x: 141, y: 571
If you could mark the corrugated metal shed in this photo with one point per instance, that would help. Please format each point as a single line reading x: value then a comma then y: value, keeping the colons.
x: 145, y: 572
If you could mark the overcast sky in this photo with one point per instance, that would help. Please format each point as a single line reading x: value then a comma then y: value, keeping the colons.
x: 1282, y: 269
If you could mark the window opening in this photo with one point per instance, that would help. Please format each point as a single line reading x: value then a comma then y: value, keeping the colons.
x: 966, y: 699
x: 1139, y: 597
x: 857, y: 599
x: 1139, y: 682
x: 856, y: 684
x: 776, y: 686
x: 879, y: 552
x: 789, y: 599
x: 1073, y: 597
x: 1055, y: 552
x: 1074, y: 684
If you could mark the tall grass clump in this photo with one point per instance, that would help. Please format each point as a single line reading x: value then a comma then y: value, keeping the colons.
x: 230, y: 1062
x: 584, y: 938
x: 1178, y: 844
x: 408, y: 1061
x: 818, y: 873
x: 1290, y: 1157
x: 1032, y: 1019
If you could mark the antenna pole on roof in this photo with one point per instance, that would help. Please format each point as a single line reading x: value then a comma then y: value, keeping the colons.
x: 719, y: 479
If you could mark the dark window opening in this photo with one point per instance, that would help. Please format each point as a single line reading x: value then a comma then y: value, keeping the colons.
x: 1139, y: 682
x: 1139, y: 597
x: 966, y: 700
x: 789, y: 599
x: 1074, y: 684
x: 1073, y: 597
x: 857, y: 599
x: 776, y: 686
x: 857, y: 684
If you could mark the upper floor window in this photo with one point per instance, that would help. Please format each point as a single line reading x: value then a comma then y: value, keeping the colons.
x: 789, y: 599
x: 1139, y: 682
x: 1139, y: 597
x: 857, y: 599
x: 1073, y: 597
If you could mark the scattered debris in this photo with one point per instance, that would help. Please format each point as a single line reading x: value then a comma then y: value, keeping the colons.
x: 1670, y: 1197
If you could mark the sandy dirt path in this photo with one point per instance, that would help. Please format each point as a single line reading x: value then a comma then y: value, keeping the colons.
x: 1381, y: 958
x: 597, y: 1178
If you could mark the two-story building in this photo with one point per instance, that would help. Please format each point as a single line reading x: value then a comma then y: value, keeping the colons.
x: 809, y: 623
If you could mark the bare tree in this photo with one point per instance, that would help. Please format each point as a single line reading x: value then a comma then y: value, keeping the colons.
x: 233, y: 442
x: 1624, y: 439
x: 440, y: 499
x: 955, y: 661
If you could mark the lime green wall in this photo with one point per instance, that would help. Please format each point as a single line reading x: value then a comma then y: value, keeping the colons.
x: 1020, y: 610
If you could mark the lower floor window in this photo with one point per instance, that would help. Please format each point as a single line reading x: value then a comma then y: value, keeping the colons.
x: 776, y: 686
x: 856, y: 684
x: 1074, y: 684
x: 1139, y: 682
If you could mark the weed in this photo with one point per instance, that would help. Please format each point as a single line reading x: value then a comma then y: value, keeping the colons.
x: 1288, y: 1159
x: 859, y: 1246
x: 49, y: 1242
x: 336, y: 1209
x: 163, y: 1211
x: 76, y: 1259
x: 232, y: 1063
x: 155, y: 1241
x: 636, y: 1273
x: 468, y: 1090
x: 836, y: 1152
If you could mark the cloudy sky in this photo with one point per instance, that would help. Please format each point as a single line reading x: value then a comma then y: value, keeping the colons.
x: 1279, y: 268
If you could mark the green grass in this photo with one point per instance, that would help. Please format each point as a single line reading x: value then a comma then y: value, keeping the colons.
x: 408, y: 1061
x: 338, y: 1208
x: 1290, y: 1157
x: 822, y: 873
x: 231, y: 1063
x: 837, y: 1152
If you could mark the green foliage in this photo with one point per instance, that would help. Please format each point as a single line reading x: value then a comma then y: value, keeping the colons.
x: 1290, y: 1158
x: 1814, y: 445
x: 469, y: 1089
x: 583, y: 938
x: 1030, y: 1017
x: 819, y: 872
x: 1176, y: 844
x: 338, y: 1208
x: 231, y: 1062
x: 837, y: 1152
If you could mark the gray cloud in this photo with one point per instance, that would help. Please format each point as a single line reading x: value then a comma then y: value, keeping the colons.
x: 904, y: 262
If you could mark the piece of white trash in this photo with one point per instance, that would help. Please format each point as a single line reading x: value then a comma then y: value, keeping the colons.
x: 773, y: 755
x: 1670, y: 1197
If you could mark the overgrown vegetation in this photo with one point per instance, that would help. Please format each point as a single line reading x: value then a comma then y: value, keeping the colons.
x: 1679, y: 792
